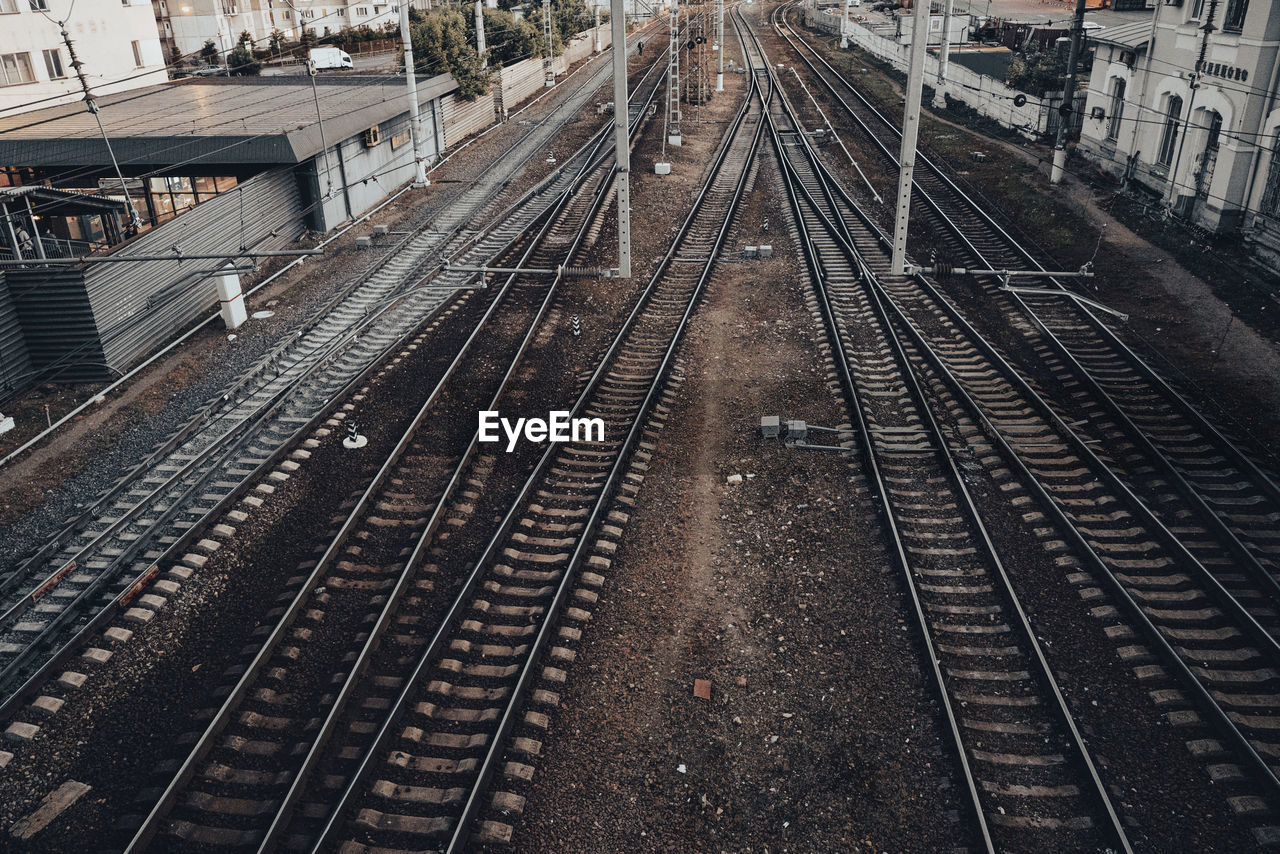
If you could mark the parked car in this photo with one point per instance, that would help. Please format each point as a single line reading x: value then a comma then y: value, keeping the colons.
x: 327, y: 58
x: 202, y: 71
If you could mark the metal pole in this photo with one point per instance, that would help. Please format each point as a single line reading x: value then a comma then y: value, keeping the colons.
x: 720, y: 45
x: 1068, y: 97
x: 621, y: 133
x: 844, y: 27
x: 324, y: 145
x: 480, y: 45
x: 134, y: 219
x: 940, y: 90
x: 35, y: 231
x: 910, y: 129
x: 548, y: 65
x: 411, y: 83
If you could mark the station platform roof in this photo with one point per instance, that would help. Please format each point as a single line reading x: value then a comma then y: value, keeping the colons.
x: 243, y: 121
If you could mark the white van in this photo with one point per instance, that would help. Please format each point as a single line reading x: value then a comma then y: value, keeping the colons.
x: 326, y: 58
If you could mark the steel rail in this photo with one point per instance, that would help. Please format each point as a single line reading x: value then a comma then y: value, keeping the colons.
x: 941, y: 450
x: 285, y: 811
x: 335, y: 819
x: 1154, y: 635
x: 1185, y: 488
x: 150, y: 826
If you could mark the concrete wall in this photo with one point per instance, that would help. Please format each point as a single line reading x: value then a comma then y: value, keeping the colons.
x: 988, y: 96
x: 102, y: 32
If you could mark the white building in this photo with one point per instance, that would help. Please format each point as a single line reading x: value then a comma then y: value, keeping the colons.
x: 115, y: 40
x: 1187, y: 107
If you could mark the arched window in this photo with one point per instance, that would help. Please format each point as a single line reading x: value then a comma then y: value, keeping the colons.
x: 1271, y: 195
x: 1215, y: 131
x: 1117, y: 109
x: 1172, y: 124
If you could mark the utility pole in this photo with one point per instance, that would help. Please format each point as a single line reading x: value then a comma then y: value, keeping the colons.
x: 549, y: 64
x: 910, y: 130
x: 940, y: 90
x: 1068, y: 97
x: 411, y: 82
x: 324, y: 145
x: 621, y: 133
x: 480, y: 45
x: 673, y: 78
x: 844, y: 27
x: 92, y: 105
x: 597, y: 30
x: 720, y: 45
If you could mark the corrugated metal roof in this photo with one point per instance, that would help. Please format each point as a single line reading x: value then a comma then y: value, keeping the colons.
x: 217, y: 120
x: 1136, y: 34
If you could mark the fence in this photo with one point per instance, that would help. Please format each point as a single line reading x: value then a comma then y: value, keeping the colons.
x: 988, y: 96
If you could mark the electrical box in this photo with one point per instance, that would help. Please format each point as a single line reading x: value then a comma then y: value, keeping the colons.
x: 380, y: 230
x: 765, y: 250
x: 770, y: 426
x: 364, y: 242
x: 662, y: 168
x: 797, y: 431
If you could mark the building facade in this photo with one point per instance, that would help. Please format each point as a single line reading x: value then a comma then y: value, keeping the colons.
x: 116, y: 40
x: 188, y: 24
x: 1185, y: 105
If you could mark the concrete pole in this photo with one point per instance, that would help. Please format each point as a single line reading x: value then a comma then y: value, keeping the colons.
x: 720, y: 45
x: 1068, y: 97
x: 844, y: 27
x: 480, y: 45
x: 597, y: 30
x: 621, y: 133
x: 411, y: 83
x: 910, y: 130
x: 940, y: 90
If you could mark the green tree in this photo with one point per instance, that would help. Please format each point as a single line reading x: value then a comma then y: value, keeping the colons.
x: 508, y: 40
x: 209, y: 53
x: 276, y: 42
x: 1036, y: 71
x: 440, y: 44
x: 241, y: 60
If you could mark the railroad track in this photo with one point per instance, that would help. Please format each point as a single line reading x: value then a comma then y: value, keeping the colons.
x: 222, y: 794
x: 1029, y: 778
x: 450, y: 714
x: 83, y: 576
x: 239, y: 784
x: 1160, y: 444
x: 1197, y: 625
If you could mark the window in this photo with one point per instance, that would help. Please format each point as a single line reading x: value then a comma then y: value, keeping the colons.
x: 286, y: 14
x: 1215, y: 131
x: 1172, y: 123
x: 1236, y: 11
x: 1117, y: 109
x: 342, y: 13
x: 53, y: 64
x: 8, y: 7
x: 39, y: 5
x: 1197, y: 10
x: 362, y: 11
x: 1271, y: 196
x: 137, y: 54
x: 17, y: 69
